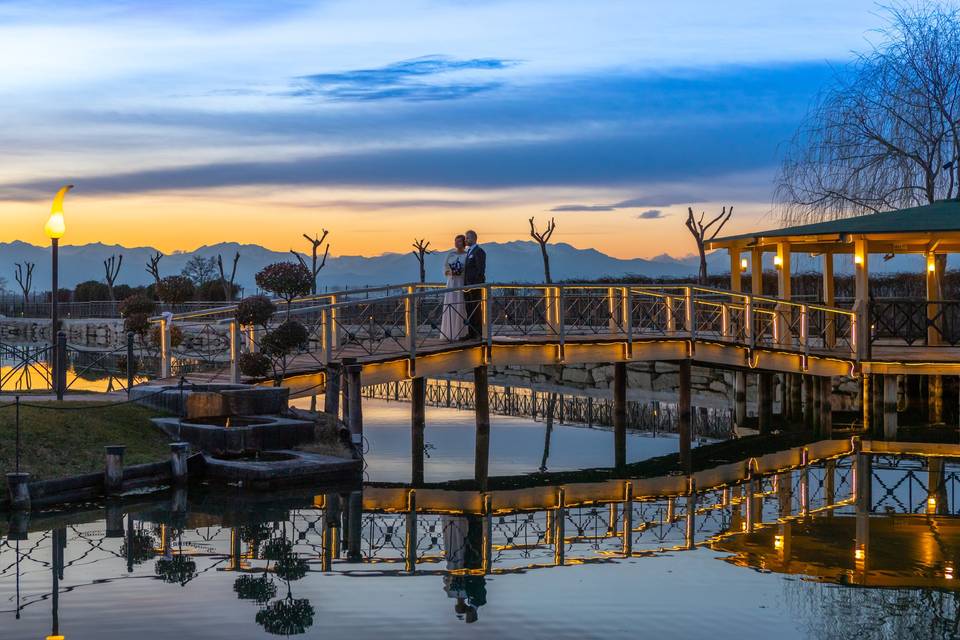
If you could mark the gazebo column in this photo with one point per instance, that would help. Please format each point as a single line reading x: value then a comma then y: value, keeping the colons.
x: 791, y: 389
x: 829, y: 296
x: 739, y: 378
x: 764, y: 379
x: 861, y: 305
x: 934, y: 335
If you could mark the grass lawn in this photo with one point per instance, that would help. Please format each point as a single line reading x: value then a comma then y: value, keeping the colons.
x: 62, y: 443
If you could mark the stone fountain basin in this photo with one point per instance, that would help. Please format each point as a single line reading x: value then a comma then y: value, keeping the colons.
x: 200, y: 400
x: 283, y: 467
x: 237, y: 434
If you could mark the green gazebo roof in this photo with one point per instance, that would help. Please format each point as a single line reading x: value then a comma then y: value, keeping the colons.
x: 941, y: 216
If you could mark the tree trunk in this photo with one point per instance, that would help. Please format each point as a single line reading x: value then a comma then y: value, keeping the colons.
x: 546, y: 264
x: 551, y: 404
x: 703, y: 264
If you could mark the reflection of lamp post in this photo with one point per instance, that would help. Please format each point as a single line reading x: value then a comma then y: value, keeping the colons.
x: 55, y: 229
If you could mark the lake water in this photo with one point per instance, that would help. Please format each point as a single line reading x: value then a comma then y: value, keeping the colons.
x: 798, y: 561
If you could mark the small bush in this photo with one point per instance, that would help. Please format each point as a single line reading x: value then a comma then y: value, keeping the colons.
x: 255, y: 310
x: 254, y: 365
x: 176, y: 289
x: 288, y: 337
x: 287, y: 280
x: 137, y: 304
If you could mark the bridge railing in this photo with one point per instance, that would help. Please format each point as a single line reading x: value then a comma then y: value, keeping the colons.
x: 407, y: 320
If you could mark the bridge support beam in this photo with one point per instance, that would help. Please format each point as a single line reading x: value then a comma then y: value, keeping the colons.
x: 331, y: 391
x: 418, y: 423
x: 620, y: 413
x: 889, y: 407
x: 935, y: 399
x: 683, y: 416
x: 482, y: 408
x: 809, y: 403
x: 740, y: 399
x: 826, y: 406
x: 355, y: 403
x: 765, y: 402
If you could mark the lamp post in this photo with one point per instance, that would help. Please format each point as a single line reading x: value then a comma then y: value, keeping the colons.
x: 55, y: 229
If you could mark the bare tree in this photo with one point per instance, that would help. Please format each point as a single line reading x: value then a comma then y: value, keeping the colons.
x: 24, y: 277
x: 313, y: 267
x: 886, y: 133
x: 200, y: 270
x: 542, y: 239
x: 153, y: 266
x: 228, y: 284
x: 703, y: 233
x: 111, y: 268
x: 420, y: 251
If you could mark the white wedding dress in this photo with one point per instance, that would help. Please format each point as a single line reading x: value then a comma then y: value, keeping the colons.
x: 453, y: 324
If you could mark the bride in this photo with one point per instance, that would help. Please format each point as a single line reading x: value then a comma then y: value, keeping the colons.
x: 453, y: 325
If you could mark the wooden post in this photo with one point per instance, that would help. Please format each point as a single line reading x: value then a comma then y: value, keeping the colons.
x: 756, y: 271
x: 620, y: 413
x: 937, y: 496
x: 861, y: 269
x: 113, y: 472
x: 866, y: 401
x: 331, y: 391
x: 355, y: 421
x: 795, y: 388
x: 166, y: 357
x: 234, y: 352
x: 418, y: 422
x: 826, y: 406
x: 482, y: 410
x: 410, y: 542
x: 355, y: 528
x: 765, y: 402
x: 178, y: 462
x: 829, y: 298
x: 784, y: 312
x: 627, y: 519
x: 935, y: 399
x: 18, y: 489
x: 809, y: 403
x: 740, y: 398
x: 889, y: 407
x: 683, y: 416
x: 735, y: 282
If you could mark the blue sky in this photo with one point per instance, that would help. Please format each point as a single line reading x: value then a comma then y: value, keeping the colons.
x: 256, y: 121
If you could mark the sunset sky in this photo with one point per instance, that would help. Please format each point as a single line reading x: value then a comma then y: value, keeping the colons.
x: 381, y: 121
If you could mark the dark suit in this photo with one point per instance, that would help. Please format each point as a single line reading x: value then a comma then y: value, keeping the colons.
x: 474, y: 272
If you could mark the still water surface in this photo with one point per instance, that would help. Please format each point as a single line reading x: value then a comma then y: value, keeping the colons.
x: 231, y: 566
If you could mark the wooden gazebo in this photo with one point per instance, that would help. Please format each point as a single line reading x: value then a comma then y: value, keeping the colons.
x: 917, y: 336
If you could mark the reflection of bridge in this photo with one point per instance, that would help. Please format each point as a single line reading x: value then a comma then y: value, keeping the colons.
x: 873, y: 514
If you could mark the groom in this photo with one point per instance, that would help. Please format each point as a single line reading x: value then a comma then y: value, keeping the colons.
x: 474, y: 272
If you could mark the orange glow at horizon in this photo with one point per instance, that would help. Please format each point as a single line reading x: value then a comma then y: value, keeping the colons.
x: 358, y: 226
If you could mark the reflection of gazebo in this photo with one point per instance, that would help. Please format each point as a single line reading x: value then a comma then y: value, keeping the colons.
x: 894, y: 336
x: 903, y: 551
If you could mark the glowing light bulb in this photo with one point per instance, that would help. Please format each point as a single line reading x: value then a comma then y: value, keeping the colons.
x: 743, y: 264
x: 56, y: 227
x: 777, y: 261
x: 858, y: 259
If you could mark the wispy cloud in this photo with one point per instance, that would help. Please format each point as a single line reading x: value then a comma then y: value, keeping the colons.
x: 632, y: 203
x: 651, y: 214
x: 426, y: 78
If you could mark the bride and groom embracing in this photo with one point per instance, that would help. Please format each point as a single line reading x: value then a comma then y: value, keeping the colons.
x: 464, y: 266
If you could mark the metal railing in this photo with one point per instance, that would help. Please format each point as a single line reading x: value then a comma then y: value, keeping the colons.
x: 422, y: 318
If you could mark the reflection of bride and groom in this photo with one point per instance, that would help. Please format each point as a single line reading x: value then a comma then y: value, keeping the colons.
x: 466, y: 265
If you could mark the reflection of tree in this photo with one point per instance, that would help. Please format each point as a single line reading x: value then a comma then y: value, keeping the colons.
x: 836, y: 612
x: 178, y: 569
x: 287, y: 616
x: 139, y: 548
x: 256, y: 588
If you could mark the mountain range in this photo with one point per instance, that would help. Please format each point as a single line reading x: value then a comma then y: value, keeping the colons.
x: 516, y: 261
